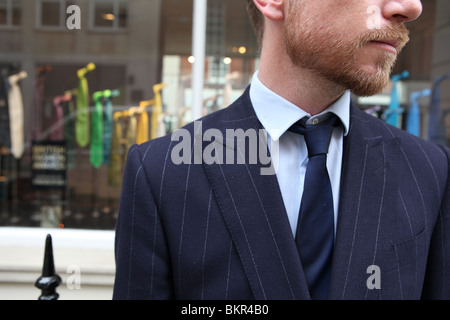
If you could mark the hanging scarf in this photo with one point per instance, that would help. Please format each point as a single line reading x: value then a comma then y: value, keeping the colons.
x: 38, y: 110
x: 69, y: 130
x: 58, y: 117
x: 142, y: 129
x: 82, y: 120
x: 96, y: 147
x: 130, y: 138
x: 115, y: 158
x: 15, y: 104
x: 108, y: 123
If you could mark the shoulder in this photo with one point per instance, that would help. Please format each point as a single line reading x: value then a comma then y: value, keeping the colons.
x: 413, y: 144
x: 418, y: 152
x: 379, y: 127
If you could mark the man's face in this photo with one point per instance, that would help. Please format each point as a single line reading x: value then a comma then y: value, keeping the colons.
x: 349, y: 42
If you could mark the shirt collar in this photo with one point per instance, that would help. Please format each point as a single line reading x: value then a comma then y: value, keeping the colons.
x: 277, y: 115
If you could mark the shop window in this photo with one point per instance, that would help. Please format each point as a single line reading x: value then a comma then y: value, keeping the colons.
x: 132, y: 62
x: 109, y: 15
x: 51, y: 14
x: 63, y: 188
x: 10, y: 13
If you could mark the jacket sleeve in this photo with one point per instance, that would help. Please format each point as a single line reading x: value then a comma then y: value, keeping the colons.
x: 437, y: 279
x: 142, y: 259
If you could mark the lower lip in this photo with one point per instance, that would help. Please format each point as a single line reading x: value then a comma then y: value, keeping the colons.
x: 384, y: 46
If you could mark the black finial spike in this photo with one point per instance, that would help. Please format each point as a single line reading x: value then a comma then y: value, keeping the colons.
x: 49, y: 279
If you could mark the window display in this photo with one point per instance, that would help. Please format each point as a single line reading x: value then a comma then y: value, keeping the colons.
x: 74, y: 100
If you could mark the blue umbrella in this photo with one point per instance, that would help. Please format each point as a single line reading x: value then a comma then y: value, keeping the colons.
x: 434, y: 125
x: 413, y: 121
x: 392, y: 113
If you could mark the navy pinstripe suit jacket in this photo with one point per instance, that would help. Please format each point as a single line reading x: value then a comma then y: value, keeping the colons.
x: 220, y: 231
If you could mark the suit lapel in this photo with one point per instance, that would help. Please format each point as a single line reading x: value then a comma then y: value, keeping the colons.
x: 254, y: 212
x: 366, y: 177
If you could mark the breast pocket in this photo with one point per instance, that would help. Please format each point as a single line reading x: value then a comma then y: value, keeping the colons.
x: 405, y: 279
x: 411, y: 250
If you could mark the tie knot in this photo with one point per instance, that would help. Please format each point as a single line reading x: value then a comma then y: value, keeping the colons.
x: 317, y: 136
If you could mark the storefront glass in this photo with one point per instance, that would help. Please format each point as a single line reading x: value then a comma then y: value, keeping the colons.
x: 92, y: 74
x: 89, y: 78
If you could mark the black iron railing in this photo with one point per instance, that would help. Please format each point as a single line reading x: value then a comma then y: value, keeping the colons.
x: 49, y: 280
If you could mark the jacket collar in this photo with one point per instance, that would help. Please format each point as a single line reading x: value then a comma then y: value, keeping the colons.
x: 277, y: 114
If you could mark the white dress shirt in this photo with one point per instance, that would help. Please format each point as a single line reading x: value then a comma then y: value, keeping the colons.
x: 277, y: 115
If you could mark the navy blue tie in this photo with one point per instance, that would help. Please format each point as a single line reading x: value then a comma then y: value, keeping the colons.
x: 315, y: 228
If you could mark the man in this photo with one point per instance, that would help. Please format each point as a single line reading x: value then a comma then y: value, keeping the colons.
x: 206, y: 225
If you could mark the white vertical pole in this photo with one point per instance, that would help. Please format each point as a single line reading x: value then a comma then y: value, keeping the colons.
x: 198, y: 52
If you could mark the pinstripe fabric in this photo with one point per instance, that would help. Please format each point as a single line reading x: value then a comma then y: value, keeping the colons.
x: 395, y: 194
x: 220, y: 231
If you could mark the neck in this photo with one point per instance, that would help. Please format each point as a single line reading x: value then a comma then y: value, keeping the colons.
x: 302, y: 87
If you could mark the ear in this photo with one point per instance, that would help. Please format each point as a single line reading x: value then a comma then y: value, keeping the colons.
x: 271, y: 9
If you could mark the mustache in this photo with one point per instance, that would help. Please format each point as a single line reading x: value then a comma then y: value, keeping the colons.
x: 397, y: 34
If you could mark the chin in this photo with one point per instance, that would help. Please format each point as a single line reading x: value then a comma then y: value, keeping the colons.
x: 374, y: 69
x: 370, y: 79
x: 369, y: 88
x: 365, y: 84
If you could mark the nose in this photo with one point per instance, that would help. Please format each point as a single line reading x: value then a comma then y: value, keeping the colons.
x: 402, y: 10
